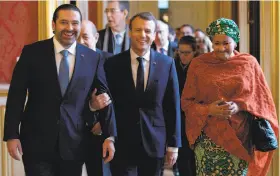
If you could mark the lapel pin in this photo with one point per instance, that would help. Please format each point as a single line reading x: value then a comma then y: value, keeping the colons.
x: 82, y: 55
x: 154, y: 63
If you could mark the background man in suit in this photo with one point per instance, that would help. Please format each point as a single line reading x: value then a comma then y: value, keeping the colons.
x: 94, y: 162
x: 114, y: 38
x: 161, y: 43
x: 145, y: 91
x: 59, y: 75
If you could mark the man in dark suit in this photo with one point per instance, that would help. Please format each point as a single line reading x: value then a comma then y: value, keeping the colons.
x: 94, y: 163
x: 145, y: 91
x: 58, y: 75
x: 161, y: 43
x: 114, y: 38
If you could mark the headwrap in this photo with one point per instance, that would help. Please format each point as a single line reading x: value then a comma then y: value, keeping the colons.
x: 224, y: 26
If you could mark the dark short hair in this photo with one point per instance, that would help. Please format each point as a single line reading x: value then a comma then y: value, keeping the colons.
x: 145, y: 16
x: 188, y: 25
x: 65, y: 7
x: 124, y: 5
x: 189, y: 40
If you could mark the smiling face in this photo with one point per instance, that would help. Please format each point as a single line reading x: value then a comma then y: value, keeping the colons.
x: 88, y: 35
x: 223, y: 46
x: 186, y: 53
x: 67, y: 27
x: 142, y: 35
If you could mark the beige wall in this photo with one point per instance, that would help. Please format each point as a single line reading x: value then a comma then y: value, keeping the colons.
x: 197, y: 13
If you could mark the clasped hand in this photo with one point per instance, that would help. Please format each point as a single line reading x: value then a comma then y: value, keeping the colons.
x: 223, y: 109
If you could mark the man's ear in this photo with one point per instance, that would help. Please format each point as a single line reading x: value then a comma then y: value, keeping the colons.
x: 53, y: 26
x: 125, y: 13
x: 96, y: 36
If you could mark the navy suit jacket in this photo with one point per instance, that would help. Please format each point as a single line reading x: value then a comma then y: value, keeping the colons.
x: 51, y: 122
x: 156, y: 114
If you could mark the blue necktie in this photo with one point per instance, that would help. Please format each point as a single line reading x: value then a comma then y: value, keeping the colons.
x: 161, y: 50
x: 118, y: 39
x: 63, y: 74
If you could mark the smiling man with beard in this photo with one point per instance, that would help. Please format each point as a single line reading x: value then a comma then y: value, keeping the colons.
x: 145, y: 92
x: 58, y: 75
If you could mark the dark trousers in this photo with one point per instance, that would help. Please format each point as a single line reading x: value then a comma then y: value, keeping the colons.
x: 136, y: 163
x: 52, y: 167
x: 186, y: 163
x: 95, y: 164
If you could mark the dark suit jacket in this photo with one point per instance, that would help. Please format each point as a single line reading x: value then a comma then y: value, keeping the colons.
x: 156, y: 115
x: 105, y: 55
x: 49, y: 120
x: 100, y: 41
x: 170, y: 51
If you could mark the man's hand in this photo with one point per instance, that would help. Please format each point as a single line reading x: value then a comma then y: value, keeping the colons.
x: 98, y: 102
x: 108, y: 150
x: 96, y: 129
x: 171, y: 157
x: 14, y: 148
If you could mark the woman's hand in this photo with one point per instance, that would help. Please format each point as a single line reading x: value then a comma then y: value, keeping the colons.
x: 223, y: 109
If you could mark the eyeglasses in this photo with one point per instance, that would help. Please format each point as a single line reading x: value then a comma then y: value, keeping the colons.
x: 185, y: 52
x: 112, y: 10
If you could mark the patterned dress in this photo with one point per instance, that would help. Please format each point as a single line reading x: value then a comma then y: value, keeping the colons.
x: 213, y: 160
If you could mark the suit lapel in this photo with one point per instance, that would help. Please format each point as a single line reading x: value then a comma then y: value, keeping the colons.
x: 153, y: 63
x: 77, y: 68
x: 51, y: 63
x: 128, y: 70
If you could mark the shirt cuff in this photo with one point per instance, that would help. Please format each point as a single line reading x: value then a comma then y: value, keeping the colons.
x: 172, y: 149
x: 111, y: 138
x: 91, y: 109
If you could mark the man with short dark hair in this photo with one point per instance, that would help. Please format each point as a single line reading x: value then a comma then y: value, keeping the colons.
x: 114, y: 38
x: 59, y: 75
x: 185, y: 30
x: 145, y: 90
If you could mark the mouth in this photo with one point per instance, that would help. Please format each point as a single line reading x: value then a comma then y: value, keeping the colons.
x: 68, y: 34
x: 142, y: 42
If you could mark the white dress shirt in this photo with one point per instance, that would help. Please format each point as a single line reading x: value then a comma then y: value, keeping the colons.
x: 71, y: 56
x: 135, y: 63
x: 146, y: 64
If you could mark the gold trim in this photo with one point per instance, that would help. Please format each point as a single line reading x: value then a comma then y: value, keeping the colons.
x: 100, y: 14
x: 270, y: 53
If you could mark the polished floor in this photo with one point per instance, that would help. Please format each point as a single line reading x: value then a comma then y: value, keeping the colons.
x: 167, y: 172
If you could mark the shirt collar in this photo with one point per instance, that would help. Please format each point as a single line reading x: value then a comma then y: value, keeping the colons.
x: 133, y: 55
x: 165, y: 47
x: 58, y: 47
x: 121, y: 33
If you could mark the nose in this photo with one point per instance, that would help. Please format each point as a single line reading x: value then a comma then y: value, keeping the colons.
x: 221, y: 48
x: 81, y: 41
x: 143, y: 33
x: 69, y: 27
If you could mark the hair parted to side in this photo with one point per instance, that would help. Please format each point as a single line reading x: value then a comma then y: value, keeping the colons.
x: 145, y: 16
x: 189, y: 40
x: 65, y: 7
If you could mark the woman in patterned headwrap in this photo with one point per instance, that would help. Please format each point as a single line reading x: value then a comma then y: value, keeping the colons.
x: 224, y: 89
